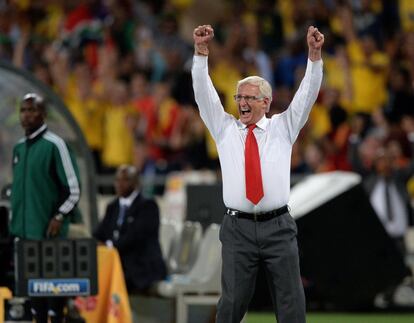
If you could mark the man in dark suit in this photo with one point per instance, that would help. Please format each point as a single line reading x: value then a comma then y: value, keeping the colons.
x: 386, y: 187
x: 131, y: 225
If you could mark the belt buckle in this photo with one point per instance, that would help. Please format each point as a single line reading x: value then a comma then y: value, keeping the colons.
x: 255, y: 217
x: 231, y: 212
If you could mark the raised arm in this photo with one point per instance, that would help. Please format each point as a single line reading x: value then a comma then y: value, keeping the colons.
x: 208, y: 101
x: 297, y: 113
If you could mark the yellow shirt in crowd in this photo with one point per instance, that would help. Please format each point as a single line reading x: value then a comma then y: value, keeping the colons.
x: 90, y: 115
x: 406, y: 11
x: 368, y: 84
x: 88, y: 112
x: 116, y: 131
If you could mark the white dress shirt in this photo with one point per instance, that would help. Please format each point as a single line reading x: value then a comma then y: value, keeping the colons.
x: 275, y: 137
x: 398, y: 225
x: 127, y: 201
x: 124, y: 202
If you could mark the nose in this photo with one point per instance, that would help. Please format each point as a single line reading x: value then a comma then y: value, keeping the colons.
x: 24, y: 114
x: 243, y: 101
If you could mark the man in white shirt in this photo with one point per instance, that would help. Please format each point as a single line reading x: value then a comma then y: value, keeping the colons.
x: 255, y: 154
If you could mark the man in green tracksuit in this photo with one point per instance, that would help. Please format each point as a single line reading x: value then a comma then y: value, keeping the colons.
x: 45, y: 190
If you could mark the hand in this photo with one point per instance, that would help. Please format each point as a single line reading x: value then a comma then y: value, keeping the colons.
x: 315, y: 38
x: 53, y: 228
x: 202, y: 35
x: 315, y: 41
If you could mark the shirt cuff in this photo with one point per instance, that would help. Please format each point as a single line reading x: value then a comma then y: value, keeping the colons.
x: 315, y: 63
x: 200, y: 61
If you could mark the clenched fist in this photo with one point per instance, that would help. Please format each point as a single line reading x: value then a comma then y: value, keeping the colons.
x: 202, y: 35
x: 315, y: 41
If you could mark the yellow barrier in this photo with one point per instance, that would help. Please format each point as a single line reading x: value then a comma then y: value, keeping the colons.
x: 111, y: 305
x: 5, y: 293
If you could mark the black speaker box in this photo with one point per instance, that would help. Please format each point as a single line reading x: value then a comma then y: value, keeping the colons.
x: 55, y: 267
x: 205, y: 203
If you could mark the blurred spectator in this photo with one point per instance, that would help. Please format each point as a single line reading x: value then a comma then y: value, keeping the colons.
x: 368, y: 67
x: 252, y: 51
x: 406, y: 51
x: 295, y: 57
x: 119, y: 126
x: 269, y: 24
x: 336, y: 140
x: 81, y: 93
x: 406, y: 14
x: 385, y: 179
x: 131, y: 225
x: 315, y: 158
x: 389, y: 197
x: 401, y: 95
x: 298, y: 164
x: 143, y: 102
x: 159, y: 121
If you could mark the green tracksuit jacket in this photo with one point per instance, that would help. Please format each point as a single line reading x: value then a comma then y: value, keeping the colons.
x: 45, y: 182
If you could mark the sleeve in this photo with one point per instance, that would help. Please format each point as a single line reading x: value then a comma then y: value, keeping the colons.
x: 298, y: 111
x: 208, y: 101
x: 66, y: 170
x: 101, y: 231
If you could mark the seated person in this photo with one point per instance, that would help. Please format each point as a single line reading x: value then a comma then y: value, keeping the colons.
x: 131, y: 225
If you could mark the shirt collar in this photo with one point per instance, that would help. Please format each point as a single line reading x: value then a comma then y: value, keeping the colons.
x: 37, y: 132
x: 127, y: 201
x: 262, y: 123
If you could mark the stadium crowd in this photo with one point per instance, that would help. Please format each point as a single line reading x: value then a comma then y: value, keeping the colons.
x: 123, y: 70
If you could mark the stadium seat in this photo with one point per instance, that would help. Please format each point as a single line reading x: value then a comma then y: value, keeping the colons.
x: 184, y: 248
x: 169, y: 231
x: 201, y: 285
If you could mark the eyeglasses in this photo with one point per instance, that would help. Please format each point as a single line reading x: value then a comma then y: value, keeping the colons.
x: 247, y: 98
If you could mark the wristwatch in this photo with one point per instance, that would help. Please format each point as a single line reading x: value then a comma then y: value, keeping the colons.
x: 59, y: 217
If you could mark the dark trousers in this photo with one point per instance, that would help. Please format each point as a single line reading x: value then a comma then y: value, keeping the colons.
x: 42, y: 307
x: 246, y: 244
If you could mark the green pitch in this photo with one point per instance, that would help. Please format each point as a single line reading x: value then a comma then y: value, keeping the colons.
x: 338, y: 318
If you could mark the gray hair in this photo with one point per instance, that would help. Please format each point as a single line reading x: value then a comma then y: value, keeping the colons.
x: 265, y: 89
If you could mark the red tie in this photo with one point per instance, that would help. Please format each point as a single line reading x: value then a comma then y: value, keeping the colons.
x: 254, y: 185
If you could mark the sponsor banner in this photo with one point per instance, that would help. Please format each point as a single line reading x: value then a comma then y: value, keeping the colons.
x: 111, y: 304
x: 58, y: 287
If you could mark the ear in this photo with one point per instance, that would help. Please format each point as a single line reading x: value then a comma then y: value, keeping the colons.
x: 266, y: 102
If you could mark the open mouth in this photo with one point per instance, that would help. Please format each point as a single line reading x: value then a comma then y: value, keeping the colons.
x: 245, y: 111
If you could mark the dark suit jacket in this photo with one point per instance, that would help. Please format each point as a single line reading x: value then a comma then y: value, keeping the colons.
x: 138, y: 243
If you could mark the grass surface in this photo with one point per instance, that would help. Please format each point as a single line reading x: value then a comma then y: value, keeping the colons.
x: 338, y: 318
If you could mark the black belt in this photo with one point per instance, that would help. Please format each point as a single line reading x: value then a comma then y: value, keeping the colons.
x: 258, y: 216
